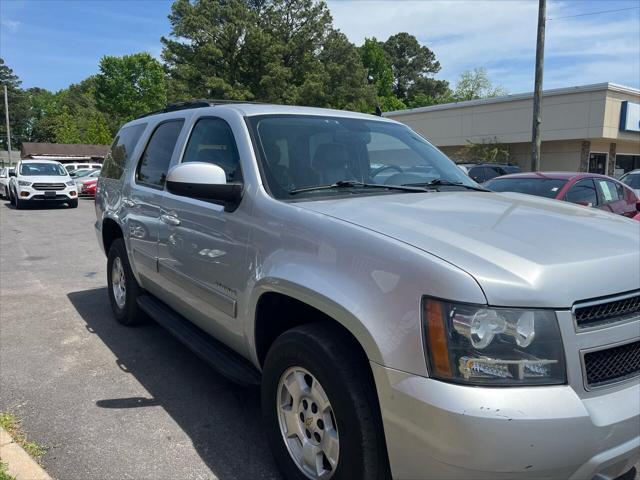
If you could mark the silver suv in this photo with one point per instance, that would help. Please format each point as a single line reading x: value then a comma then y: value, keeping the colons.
x: 401, y: 320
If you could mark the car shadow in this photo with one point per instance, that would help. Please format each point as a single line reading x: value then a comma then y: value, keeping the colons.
x: 222, y: 419
x: 39, y: 206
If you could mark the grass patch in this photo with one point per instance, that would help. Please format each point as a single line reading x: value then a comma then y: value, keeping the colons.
x: 3, y: 472
x: 12, y: 426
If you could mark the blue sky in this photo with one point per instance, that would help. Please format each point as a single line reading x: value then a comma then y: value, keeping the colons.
x: 53, y: 43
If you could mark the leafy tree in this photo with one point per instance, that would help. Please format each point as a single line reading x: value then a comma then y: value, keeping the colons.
x: 129, y: 86
x: 18, y: 107
x: 96, y: 130
x: 280, y: 51
x: 475, y: 84
x: 411, y: 62
x: 489, y: 150
x: 65, y: 128
x: 206, y: 59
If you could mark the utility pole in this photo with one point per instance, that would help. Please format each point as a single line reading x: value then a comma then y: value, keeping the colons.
x: 537, y: 92
x: 6, y: 116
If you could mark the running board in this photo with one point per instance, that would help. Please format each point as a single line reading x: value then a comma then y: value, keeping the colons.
x: 220, y: 357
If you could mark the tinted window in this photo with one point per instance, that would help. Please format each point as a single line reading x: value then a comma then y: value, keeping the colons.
x: 632, y: 180
x: 31, y: 169
x: 477, y: 173
x: 153, y: 166
x: 608, y: 191
x: 309, y: 151
x: 212, y: 141
x: 492, y: 172
x: 541, y: 187
x: 583, y: 192
x: 121, y: 149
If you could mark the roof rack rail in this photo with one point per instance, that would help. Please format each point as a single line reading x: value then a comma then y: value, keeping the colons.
x: 196, y: 103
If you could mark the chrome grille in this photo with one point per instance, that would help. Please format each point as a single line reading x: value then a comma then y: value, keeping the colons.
x: 48, y: 186
x: 607, y: 312
x: 612, y: 364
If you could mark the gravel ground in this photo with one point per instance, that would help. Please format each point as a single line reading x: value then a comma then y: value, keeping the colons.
x: 108, y: 402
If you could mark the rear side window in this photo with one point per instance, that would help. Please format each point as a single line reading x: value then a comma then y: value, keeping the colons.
x: 154, y: 164
x: 608, y: 191
x: 121, y: 150
x: 583, y: 192
x: 212, y: 141
x: 477, y: 174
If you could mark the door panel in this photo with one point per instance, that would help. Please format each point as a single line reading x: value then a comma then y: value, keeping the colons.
x: 202, y: 247
x: 145, y: 197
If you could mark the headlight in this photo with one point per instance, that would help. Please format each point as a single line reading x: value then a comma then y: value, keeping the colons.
x: 480, y: 345
x: 71, y: 183
x: 22, y: 183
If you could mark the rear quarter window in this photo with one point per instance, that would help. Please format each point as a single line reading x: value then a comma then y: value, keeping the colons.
x: 121, y: 150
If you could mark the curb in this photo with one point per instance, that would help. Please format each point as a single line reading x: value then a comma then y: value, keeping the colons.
x: 19, y: 463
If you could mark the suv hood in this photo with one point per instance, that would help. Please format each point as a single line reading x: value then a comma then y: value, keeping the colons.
x: 522, y: 250
x: 45, y: 178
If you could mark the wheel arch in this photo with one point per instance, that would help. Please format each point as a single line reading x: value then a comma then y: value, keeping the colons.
x: 111, y: 230
x: 301, y: 305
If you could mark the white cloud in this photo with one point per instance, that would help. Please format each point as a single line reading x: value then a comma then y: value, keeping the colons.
x: 11, y: 25
x: 496, y: 34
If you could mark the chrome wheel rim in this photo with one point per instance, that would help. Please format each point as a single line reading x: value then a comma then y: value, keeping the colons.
x: 118, y: 283
x: 307, y: 423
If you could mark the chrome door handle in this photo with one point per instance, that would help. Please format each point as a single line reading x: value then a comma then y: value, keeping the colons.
x: 170, y: 220
x: 128, y: 203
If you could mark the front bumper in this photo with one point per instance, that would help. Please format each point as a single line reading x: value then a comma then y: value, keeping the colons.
x: 28, y: 194
x: 445, y: 431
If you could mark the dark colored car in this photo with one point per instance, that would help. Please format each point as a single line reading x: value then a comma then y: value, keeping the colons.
x: 481, y: 172
x: 587, y: 189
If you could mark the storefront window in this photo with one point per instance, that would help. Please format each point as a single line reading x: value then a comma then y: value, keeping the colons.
x: 598, y: 163
x: 626, y: 163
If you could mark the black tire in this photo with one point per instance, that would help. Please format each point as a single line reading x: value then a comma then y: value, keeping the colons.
x: 20, y: 204
x: 73, y: 203
x: 12, y: 200
x: 130, y: 314
x: 328, y: 354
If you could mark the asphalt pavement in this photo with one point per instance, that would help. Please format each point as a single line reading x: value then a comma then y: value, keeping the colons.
x: 108, y: 402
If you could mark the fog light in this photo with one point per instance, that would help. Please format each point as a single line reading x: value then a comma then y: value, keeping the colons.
x: 24, y: 194
x: 72, y: 193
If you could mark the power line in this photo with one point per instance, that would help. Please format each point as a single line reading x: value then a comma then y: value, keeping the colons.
x: 595, y: 13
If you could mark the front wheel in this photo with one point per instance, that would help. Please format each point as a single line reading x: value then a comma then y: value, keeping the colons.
x: 122, y: 286
x: 320, y: 408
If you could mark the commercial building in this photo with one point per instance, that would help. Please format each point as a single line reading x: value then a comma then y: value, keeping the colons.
x: 64, y: 153
x: 592, y: 128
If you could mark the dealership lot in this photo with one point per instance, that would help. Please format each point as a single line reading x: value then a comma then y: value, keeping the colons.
x: 108, y: 401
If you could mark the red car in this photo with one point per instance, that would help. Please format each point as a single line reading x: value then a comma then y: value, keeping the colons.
x: 88, y: 188
x: 589, y: 189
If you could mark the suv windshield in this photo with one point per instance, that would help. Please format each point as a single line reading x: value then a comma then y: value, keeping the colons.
x: 31, y: 169
x: 299, y: 153
x: 542, y: 187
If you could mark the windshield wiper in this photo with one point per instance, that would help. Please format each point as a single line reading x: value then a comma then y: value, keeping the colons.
x: 446, y: 183
x: 354, y: 184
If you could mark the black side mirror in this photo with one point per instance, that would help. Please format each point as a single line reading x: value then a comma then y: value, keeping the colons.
x: 12, y: 173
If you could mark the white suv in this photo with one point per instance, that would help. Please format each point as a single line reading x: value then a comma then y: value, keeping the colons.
x: 41, y: 181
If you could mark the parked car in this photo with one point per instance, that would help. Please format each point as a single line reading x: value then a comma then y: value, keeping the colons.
x: 75, y: 166
x: 41, y: 181
x: 420, y: 327
x: 481, y: 172
x: 4, y: 181
x: 85, y: 179
x: 88, y: 188
x: 588, y: 189
x: 81, y: 172
x: 632, y: 179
